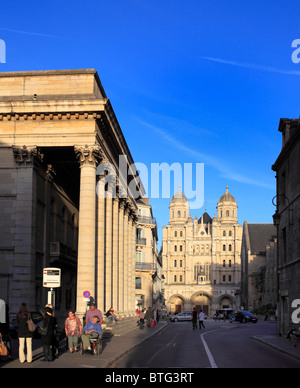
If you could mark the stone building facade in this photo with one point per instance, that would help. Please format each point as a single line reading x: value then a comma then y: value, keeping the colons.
x: 287, y: 221
x: 201, y: 257
x: 148, y: 282
x: 258, y: 258
x: 64, y: 199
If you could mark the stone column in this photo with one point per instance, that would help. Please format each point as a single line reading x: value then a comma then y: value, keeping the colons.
x: 88, y: 158
x: 24, y: 275
x: 115, y: 261
x: 108, y: 248
x: 126, y: 213
x: 100, y: 243
x: 121, y: 256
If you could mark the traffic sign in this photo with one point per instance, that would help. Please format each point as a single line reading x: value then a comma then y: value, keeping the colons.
x: 86, y: 294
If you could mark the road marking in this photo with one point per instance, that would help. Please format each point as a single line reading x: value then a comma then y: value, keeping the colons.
x: 209, y: 355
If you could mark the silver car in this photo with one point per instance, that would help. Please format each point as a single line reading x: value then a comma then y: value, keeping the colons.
x: 181, y: 317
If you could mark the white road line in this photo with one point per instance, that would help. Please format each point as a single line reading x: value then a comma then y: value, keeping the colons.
x: 209, y: 355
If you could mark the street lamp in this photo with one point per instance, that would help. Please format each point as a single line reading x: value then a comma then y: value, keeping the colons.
x: 280, y: 198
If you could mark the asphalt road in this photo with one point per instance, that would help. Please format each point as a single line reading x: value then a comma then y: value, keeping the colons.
x: 220, y: 345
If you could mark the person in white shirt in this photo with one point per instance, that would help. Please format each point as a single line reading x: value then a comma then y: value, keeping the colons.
x: 201, y: 319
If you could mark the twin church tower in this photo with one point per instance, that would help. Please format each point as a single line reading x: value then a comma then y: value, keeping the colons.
x: 202, y: 257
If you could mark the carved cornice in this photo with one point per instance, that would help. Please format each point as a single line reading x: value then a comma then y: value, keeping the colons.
x: 49, y: 116
x: 88, y: 155
x: 27, y: 155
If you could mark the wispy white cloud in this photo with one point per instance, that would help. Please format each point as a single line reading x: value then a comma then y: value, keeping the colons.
x: 224, y: 170
x: 32, y: 33
x: 252, y: 66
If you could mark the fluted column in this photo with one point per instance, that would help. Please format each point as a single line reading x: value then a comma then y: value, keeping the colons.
x: 88, y: 157
x: 126, y: 213
x: 121, y: 256
x: 115, y: 262
x: 108, y: 248
x: 100, y: 243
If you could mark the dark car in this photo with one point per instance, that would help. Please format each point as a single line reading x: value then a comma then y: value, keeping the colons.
x: 245, y: 316
x: 37, y: 319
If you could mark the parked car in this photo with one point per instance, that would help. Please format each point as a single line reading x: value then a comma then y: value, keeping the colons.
x: 181, y: 317
x: 245, y: 316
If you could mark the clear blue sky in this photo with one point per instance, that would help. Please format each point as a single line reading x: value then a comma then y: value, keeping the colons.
x: 190, y: 81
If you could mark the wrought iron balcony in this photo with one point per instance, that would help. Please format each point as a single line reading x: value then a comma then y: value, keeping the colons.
x: 145, y: 266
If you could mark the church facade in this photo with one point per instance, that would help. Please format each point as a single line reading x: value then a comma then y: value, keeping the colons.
x: 202, y: 257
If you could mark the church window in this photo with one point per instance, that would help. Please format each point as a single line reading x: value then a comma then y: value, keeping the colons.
x: 224, y: 233
x: 224, y: 264
x: 175, y: 234
x: 224, y: 247
x: 180, y: 248
x: 224, y: 278
x: 181, y: 278
x: 179, y: 213
x: 175, y: 263
x: 229, y: 263
x: 180, y: 263
x: 180, y: 234
x: 230, y: 233
x: 229, y: 247
x: 175, y: 248
x: 227, y: 213
x: 229, y: 278
x: 175, y: 278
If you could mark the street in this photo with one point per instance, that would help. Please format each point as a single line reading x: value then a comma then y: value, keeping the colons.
x: 220, y: 345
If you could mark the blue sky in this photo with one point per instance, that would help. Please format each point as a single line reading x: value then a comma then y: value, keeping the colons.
x: 189, y: 81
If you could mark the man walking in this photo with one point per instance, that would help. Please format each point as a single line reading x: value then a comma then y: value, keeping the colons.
x: 201, y: 319
x: 194, y: 319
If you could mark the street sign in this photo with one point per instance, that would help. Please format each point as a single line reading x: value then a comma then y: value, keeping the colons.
x: 51, y: 277
x: 86, y: 294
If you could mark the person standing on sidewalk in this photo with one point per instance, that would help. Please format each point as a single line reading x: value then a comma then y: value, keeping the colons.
x: 201, y: 319
x: 48, y: 332
x: 91, y: 312
x: 24, y: 334
x: 73, y: 329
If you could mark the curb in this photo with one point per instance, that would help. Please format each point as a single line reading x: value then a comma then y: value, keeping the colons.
x: 276, y: 347
x: 119, y: 356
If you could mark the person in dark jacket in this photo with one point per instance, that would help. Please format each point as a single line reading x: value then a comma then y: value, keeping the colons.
x: 24, y: 334
x: 48, y: 334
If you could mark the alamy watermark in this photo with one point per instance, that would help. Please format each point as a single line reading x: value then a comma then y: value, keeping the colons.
x: 296, y: 53
x: 296, y: 313
x: 2, y: 51
x: 156, y: 181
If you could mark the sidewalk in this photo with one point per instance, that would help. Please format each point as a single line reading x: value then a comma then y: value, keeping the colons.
x: 113, y: 349
x: 280, y: 343
x: 117, y: 346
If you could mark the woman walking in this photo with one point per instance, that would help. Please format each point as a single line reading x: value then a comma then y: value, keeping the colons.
x: 73, y: 329
x: 24, y: 334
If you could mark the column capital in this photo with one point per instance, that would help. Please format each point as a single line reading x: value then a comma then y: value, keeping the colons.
x: 88, y: 155
x: 27, y: 155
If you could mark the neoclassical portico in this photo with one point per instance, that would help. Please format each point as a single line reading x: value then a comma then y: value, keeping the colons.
x: 63, y: 122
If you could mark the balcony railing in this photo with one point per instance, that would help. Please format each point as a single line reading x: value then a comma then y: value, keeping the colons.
x: 141, y: 241
x: 145, y: 266
x: 146, y: 220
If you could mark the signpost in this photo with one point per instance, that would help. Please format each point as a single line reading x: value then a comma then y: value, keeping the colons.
x: 51, y: 279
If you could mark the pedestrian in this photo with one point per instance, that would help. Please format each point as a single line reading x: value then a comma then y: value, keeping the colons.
x: 149, y: 316
x: 24, y: 335
x: 48, y: 334
x: 194, y: 319
x: 93, y: 311
x: 91, y: 330
x: 142, y: 319
x: 201, y: 319
x: 111, y: 315
x: 73, y: 329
